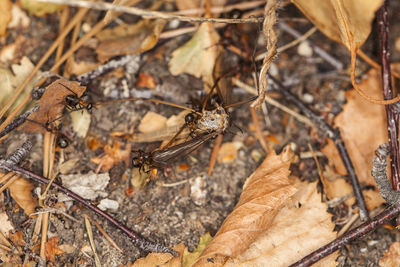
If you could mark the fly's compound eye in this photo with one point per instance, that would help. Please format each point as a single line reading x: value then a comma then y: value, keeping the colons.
x: 71, y: 100
x: 189, y: 118
x: 62, y: 142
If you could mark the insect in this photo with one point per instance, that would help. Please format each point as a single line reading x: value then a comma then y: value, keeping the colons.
x: 74, y: 102
x: 161, y: 158
x: 50, y: 126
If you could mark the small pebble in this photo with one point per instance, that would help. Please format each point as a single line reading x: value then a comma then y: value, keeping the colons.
x: 108, y: 204
x: 308, y: 98
x: 304, y: 49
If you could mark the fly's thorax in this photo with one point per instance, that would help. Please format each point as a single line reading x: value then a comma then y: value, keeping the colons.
x: 216, y: 120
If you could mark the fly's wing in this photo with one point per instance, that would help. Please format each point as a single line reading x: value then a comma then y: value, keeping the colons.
x: 165, y: 156
x: 222, y: 76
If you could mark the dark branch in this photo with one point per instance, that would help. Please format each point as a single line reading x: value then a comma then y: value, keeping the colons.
x: 392, y: 113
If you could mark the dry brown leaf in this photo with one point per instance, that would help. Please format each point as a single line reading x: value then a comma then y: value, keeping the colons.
x: 198, y: 55
x: 113, y: 154
x: 331, y: 152
x: 17, y: 238
x: 152, y: 122
x: 391, y: 258
x: 297, y: 230
x: 129, y: 39
x: 228, y: 152
x: 335, y: 185
x: 5, y: 15
x: 21, y: 192
x: 39, y: 8
x: 52, y: 104
x: 52, y: 248
x: 330, y: 17
x: 146, y: 80
x: 363, y: 128
x: 265, y: 192
x: 162, y: 259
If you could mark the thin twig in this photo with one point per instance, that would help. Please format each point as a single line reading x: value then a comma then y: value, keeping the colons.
x: 137, y: 240
x: 319, y: 51
x: 148, y: 13
x: 350, y: 236
x: 19, y: 120
x: 334, y: 134
x: 392, y: 116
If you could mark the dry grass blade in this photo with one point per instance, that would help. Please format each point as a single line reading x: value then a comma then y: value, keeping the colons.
x: 91, y: 240
x: 265, y: 192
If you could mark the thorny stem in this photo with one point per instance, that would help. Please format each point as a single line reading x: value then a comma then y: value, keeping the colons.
x: 391, y: 114
x: 350, y: 236
x: 334, y: 134
x: 137, y: 240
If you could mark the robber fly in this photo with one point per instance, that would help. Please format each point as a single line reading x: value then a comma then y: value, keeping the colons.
x: 163, y: 157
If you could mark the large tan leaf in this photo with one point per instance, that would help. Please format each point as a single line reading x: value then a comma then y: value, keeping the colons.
x: 331, y: 17
x: 391, y: 257
x: 265, y: 192
x: 298, y: 229
x: 363, y: 128
x: 198, y: 55
x: 21, y: 192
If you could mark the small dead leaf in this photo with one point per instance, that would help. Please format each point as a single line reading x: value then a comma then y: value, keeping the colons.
x: 17, y: 239
x: 113, y: 155
x: 10, y: 80
x: 162, y: 259
x: 21, y: 192
x: 80, y: 122
x: 198, y: 55
x: 68, y: 165
x: 152, y: 122
x: 335, y: 186
x: 52, y: 248
x: 129, y: 39
x: 19, y: 18
x: 228, y: 152
x: 297, y: 230
x: 52, y: 104
x: 333, y: 155
x: 39, y: 9
x: 190, y: 257
x: 391, y: 258
x: 94, y: 142
x: 183, y: 167
x: 146, y: 80
x: 265, y: 192
x: 5, y: 224
x: 331, y: 16
x: 5, y: 15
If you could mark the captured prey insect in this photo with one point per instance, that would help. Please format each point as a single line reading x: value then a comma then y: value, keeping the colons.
x: 61, y: 140
x: 163, y: 157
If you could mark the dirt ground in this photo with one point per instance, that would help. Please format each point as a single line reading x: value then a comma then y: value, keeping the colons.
x: 170, y: 214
